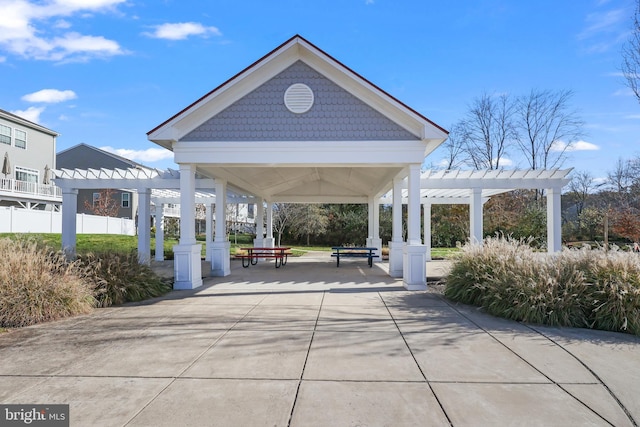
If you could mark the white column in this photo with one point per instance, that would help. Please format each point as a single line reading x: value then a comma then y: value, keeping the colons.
x: 187, y: 262
x: 413, y: 208
x: 414, y: 272
x: 554, y: 224
x: 69, y: 210
x: 144, y: 225
x: 373, y: 239
x: 269, y: 241
x: 475, y: 216
x: 426, y: 207
x: 159, y: 231
x: 221, y: 211
x: 396, y: 244
x: 208, y: 225
x: 220, y: 256
x: 258, y: 242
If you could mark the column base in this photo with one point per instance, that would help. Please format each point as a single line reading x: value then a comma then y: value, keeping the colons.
x: 258, y: 242
x: 187, y: 266
x: 395, y: 259
x: 414, y: 276
x: 220, y: 258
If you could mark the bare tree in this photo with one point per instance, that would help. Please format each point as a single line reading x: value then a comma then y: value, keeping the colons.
x: 620, y: 177
x: 284, y: 215
x: 581, y: 186
x: 547, y: 127
x: 487, y: 129
x: 455, y: 148
x: 631, y: 56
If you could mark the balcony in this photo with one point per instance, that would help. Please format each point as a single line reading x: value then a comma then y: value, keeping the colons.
x: 12, y: 189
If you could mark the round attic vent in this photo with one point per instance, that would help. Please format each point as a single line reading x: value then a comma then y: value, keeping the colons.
x: 298, y: 98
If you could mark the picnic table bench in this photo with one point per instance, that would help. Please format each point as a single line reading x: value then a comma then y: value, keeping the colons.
x: 279, y: 254
x: 354, y: 252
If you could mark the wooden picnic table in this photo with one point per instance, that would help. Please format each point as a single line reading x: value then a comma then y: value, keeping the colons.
x: 354, y: 252
x: 279, y: 254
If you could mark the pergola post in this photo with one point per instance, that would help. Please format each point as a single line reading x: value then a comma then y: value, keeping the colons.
x: 426, y: 221
x: 414, y: 275
x: 269, y: 241
x: 144, y: 225
x: 373, y: 239
x: 396, y: 244
x: 187, y: 263
x: 159, y: 231
x: 69, y: 209
x: 475, y: 216
x: 220, y: 261
x: 258, y: 242
x: 554, y: 224
x: 208, y: 225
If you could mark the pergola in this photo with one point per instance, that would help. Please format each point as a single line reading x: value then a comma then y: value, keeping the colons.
x: 475, y: 188
x: 299, y: 126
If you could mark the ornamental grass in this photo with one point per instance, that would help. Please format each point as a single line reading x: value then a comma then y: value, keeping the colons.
x: 118, y: 278
x: 39, y: 285
x: 590, y: 288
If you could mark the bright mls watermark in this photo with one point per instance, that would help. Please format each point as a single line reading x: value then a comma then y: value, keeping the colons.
x: 34, y: 415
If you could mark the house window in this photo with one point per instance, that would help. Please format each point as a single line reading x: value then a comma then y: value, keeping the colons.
x: 27, y: 175
x: 125, y: 200
x: 20, y: 139
x: 251, y: 211
x: 5, y: 134
x: 96, y: 199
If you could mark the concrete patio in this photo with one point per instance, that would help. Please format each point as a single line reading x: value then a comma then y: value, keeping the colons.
x: 310, y: 344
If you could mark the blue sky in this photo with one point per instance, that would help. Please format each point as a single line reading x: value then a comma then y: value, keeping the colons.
x: 105, y: 72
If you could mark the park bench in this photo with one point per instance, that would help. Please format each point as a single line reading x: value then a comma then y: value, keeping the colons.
x: 353, y: 252
x: 279, y: 254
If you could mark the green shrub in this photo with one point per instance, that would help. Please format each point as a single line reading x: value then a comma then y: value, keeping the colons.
x: 39, y: 285
x: 119, y: 277
x: 580, y: 288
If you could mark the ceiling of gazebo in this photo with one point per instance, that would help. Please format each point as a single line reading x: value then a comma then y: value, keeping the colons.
x: 308, y: 183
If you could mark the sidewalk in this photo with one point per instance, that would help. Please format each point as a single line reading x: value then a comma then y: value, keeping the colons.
x: 310, y: 344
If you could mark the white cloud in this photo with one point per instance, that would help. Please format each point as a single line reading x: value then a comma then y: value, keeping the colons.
x: 32, y: 30
x: 50, y: 96
x: 32, y: 113
x: 576, y: 146
x: 61, y: 23
x: 605, y: 21
x: 182, y: 30
x: 623, y: 92
x: 505, y: 162
x: 148, y: 155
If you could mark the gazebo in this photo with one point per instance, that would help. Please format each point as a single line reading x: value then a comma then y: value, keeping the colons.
x: 299, y: 126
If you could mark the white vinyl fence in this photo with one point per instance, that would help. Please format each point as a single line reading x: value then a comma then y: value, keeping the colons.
x: 17, y: 220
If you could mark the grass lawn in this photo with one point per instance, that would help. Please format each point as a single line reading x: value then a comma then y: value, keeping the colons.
x: 445, y: 253
x: 116, y: 243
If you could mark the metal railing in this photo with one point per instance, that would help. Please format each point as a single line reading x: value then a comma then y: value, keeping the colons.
x: 18, y: 188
